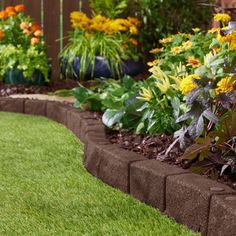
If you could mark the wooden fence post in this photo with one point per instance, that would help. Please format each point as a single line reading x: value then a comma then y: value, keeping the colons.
x: 52, y: 33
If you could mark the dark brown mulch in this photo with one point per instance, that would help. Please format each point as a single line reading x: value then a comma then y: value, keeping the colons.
x: 156, y: 146
x: 7, y: 89
x: 152, y: 147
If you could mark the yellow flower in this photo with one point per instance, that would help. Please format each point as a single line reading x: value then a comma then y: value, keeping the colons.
x: 196, y: 30
x: 187, y: 84
x: 193, y: 62
x: 230, y: 38
x: 145, y: 94
x: 153, y: 63
x: 176, y: 50
x: 133, y: 30
x: 187, y: 45
x: 133, y: 21
x: 79, y: 20
x: 225, y: 85
x: 166, y: 40
x: 156, y: 50
x: 222, y: 17
x: 214, y: 30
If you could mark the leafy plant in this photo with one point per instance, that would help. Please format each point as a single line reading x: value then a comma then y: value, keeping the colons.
x: 217, y: 150
x: 112, y: 39
x: 21, y: 44
x: 181, y: 18
x: 109, y: 8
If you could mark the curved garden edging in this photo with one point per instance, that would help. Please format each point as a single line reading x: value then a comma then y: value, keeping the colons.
x: 202, y: 204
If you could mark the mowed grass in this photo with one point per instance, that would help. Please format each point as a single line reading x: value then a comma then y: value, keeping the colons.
x: 45, y: 190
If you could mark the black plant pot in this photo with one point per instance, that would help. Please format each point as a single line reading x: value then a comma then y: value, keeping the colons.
x: 101, y: 68
x: 16, y: 76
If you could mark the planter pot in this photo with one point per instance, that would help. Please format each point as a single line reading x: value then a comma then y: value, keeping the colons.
x: 15, y: 76
x: 101, y: 68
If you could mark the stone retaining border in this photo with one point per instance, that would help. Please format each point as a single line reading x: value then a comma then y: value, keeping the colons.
x: 202, y: 204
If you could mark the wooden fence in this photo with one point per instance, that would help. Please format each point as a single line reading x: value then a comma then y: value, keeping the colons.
x: 53, y: 15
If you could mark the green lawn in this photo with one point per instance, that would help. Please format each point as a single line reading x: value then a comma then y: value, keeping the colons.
x: 44, y: 189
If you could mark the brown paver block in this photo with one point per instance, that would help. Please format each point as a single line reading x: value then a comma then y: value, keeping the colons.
x: 222, y: 218
x: 148, y: 181
x: 12, y: 105
x: 86, y: 125
x: 97, y: 134
x: 115, y: 166
x: 74, y: 120
x: 92, y: 157
x: 57, y: 112
x: 35, y: 107
x: 188, y: 199
x: 110, y: 163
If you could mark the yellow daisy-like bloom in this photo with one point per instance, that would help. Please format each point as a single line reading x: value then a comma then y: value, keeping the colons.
x: 145, y: 94
x: 214, y: 30
x: 79, y: 20
x: 103, y: 24
x: 153, y: 63
x: 133, y: 21
x: 196, y: 30
x: 187, y: 45
x: 156, y: 50
x: 166, y: 40
x: 193, y: 62
x: 230, y: 38
x: 225, y: 85
x: 176, y: 50
x: 187, y: 84
x: 222, y: 17
x: 133, y: 30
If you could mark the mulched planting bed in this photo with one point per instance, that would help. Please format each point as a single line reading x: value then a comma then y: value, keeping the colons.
x: 155, y: 147
x: 8, y: 89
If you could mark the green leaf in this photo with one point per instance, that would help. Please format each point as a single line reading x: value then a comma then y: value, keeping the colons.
x: 111, y: 117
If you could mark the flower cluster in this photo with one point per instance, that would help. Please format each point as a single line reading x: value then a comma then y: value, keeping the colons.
x: 222, y: 17
x: 17, y: 28
x: 20, y: 36
x: 103, y: 24
x: 33, y: 30
x: 11, y: 11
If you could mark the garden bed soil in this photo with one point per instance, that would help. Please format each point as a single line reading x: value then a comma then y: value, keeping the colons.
x: 8, y: 89
x: 155, y: 147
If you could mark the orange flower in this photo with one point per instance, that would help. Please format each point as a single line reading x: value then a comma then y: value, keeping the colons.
x: 35, y: 27
x: 24, y: 25
x: 133, y: 41
x: 38, y: 33
x: 11, y: 13
x: 34, y: 41
x: 20, y: 8
x: 10, y: 9
x: 193, y: 62
x: 3, y: 15
x: 26, y: 32
x: 1, y: 34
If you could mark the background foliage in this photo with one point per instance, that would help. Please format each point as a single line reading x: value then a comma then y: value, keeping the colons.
x: 163, y: 17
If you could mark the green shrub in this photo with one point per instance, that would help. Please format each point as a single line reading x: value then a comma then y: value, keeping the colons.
x: 163, y: 17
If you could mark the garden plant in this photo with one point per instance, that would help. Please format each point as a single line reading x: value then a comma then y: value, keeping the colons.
x: 23, y: 52
x: 101, y: 41
x: 190, y: 95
